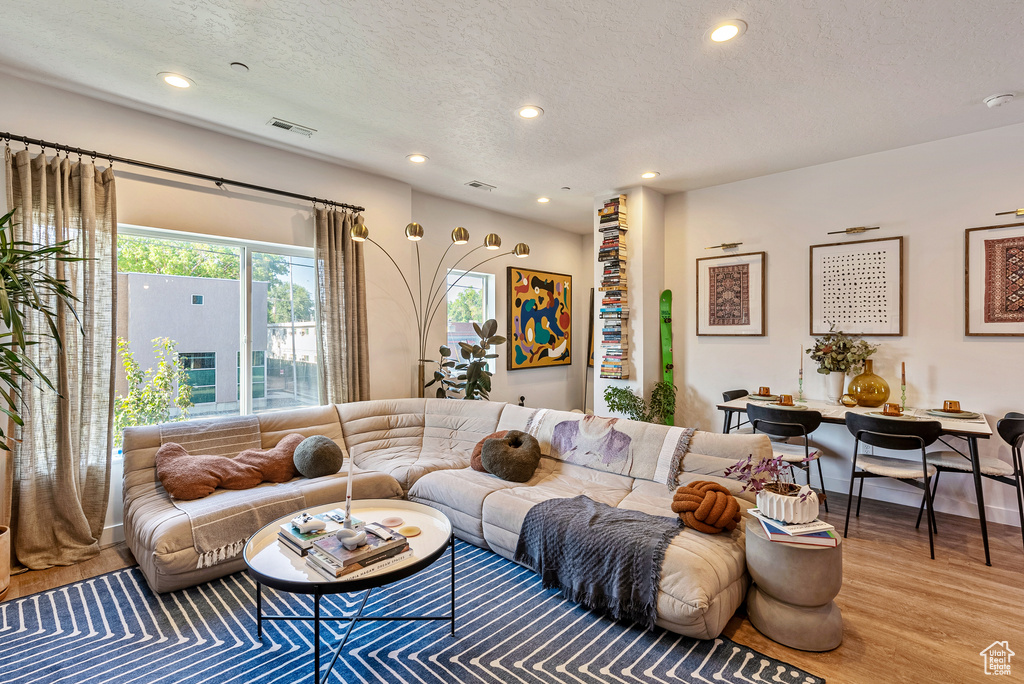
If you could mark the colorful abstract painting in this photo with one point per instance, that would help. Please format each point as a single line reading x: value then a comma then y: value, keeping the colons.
x: 539, y: 319
x: 1004, y: 280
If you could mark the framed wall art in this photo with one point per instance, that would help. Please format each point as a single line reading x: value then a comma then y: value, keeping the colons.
x: 857, y: 287
x: 731, y: 295
x: 539, y: 319
x: 994, y: 280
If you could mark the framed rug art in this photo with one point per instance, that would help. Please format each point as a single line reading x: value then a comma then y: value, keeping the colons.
x: 994, y: 281
x: 857, y: 287
x: 539, y: 319
x: 731, y: 295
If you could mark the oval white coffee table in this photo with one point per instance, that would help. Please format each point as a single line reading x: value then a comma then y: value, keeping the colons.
x: 270, y: 563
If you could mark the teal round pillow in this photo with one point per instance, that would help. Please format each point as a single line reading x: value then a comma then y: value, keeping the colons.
x: 318, y: 456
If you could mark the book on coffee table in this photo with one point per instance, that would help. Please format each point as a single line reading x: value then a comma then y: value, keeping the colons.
x: 300, y: 542
x: 329, y: 567
x: 793, y: 529
x: 333, y: 548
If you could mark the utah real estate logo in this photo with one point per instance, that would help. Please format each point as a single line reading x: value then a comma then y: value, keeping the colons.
x: 997, y: 658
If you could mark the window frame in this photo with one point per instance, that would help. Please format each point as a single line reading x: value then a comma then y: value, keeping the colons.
x: 246, y: 248
x: 488, y: 306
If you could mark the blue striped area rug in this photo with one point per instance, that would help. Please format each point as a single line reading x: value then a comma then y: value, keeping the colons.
x: 112, y: 628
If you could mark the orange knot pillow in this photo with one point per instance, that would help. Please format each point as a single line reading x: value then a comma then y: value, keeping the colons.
x: 706, y: 507
x: 187, y: 477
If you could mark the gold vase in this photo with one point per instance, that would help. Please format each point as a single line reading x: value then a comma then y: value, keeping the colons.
x: 869, y: 389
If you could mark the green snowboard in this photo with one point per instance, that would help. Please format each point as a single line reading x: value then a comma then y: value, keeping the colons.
x: 666, y: 343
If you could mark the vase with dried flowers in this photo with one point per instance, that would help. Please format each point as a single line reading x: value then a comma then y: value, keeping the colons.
x: 778, y: 496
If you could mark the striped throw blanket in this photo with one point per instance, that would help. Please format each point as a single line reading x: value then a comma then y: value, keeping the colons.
x: 224, y: 521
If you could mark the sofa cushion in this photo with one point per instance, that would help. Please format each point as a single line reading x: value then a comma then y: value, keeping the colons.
x: 371, y: 426
x: 460, y: 494
x: 513, y: 457
x: 457, y: 426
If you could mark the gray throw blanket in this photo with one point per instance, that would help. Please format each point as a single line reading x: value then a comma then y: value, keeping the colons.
x: 607, y: 559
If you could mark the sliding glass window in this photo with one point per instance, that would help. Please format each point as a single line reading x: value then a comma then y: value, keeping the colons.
x: 180, y: 323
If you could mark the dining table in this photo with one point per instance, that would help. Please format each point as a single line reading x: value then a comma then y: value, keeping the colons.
x: 969, y: 430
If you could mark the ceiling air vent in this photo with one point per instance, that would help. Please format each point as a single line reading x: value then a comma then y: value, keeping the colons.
x: 291, y: 127
x: 480, y: 185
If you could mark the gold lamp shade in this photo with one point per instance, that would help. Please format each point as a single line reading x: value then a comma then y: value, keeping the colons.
x: 492, y: 241
x: 522, y: 250
x: 414, y: 231
x: 359, y: 231
x: 460, y: 236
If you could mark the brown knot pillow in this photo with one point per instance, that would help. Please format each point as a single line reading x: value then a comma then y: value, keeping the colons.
x: 706, y: 507
x: 187, y: 477
x: 474, y: 462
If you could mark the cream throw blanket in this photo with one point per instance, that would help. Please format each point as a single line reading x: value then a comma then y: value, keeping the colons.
x: 224, y: 521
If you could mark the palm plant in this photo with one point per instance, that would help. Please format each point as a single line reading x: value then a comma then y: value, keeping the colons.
x: 25, y: 288
x: 661, y: 407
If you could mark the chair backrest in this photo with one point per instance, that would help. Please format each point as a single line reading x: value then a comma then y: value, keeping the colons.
x: 888, y: 433
x: 1011, y: 429
x: 782, y: 422
x: 734, y: 394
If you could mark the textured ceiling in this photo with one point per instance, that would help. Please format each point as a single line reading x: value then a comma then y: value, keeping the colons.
x: 626, y: 86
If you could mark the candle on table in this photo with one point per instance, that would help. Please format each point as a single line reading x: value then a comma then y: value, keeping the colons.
x: 903, y: 373
x: 348, y: 495
x: 801, y: 361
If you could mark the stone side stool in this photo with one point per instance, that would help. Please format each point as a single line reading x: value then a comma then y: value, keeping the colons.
x: 790, y: 600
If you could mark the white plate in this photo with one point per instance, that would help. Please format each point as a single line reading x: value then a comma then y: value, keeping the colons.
x: 948, y: 414
x: 758, y: 397
x: 795, y: 407
x: 882, y: 415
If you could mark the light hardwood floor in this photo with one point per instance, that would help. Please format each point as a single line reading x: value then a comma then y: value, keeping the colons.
x: 908, y: 619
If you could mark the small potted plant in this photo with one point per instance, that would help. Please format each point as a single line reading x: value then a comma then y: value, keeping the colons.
x: 837, y: 354
x: 778, y: 496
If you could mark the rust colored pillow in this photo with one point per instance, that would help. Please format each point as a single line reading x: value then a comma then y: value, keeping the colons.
x: 707, y: 507
x: 475, y: 461
x: 187, y: 477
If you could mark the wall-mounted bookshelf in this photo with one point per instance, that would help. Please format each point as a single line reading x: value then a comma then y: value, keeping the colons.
x: 614, y: 311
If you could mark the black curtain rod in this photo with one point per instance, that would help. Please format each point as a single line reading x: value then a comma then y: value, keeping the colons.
x: 219, y: 182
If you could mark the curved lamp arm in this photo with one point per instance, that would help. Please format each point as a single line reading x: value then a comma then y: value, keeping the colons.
x: 412, y: 298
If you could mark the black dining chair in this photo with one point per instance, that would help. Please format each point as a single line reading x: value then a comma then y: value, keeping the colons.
x: 790, y: 423
x: 898, y: 435
x: 729, y: 413
x: 1011, y: 429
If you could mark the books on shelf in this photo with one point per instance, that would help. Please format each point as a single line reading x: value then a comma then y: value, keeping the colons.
x: 825, y: 538
x: 794, y: 529
x: 300, y: 542
x: 331, y: 569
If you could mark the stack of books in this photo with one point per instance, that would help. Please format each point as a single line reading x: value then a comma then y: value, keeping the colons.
x: 331, y: 559
x: 817, y: 533
x: 614, y: 311
x: 300, y: 542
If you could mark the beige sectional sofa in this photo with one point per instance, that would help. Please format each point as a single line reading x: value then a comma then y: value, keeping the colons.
x: 420, y: 449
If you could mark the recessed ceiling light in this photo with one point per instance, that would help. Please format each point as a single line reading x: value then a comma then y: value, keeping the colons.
x: 530, y: 111
x: 417, y: 158
x: 176, y: 80
x: 650, y: 174
x: 728, y: 30
x: 543, y: 200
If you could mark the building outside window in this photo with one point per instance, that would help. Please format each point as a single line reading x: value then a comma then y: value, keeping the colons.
x: 188, y: 291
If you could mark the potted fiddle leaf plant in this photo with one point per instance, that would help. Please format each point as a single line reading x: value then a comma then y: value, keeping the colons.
x: 778, y: 496
x: 470, y: 378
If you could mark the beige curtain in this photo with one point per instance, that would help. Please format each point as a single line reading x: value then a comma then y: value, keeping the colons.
x: 62, y: 460
x: 342, y: 346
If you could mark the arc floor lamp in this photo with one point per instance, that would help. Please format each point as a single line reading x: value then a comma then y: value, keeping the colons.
x: 436, y: 292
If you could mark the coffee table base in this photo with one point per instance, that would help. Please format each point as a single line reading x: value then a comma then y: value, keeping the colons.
x: 317, y: 618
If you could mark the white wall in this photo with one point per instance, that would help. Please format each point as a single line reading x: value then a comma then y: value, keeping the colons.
x: 553, y: 250
x: 927, y: 193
